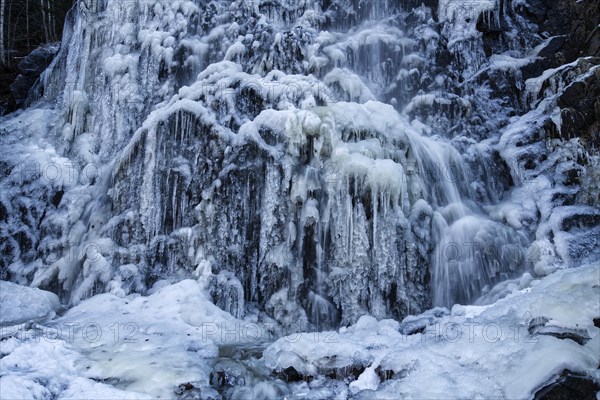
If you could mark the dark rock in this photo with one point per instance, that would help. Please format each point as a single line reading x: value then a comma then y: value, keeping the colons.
x: 387, y: 374
x: 581, y: 220
x: 3, y: 213
x: 353, y: 371
x: 186, y: 386
x: 339, y: 368
x: 581, y: 109
x: 417, y: 324
x: 547, y: 58
x: 556, y: 44
x: 536, y: 323
x: 57, y: 197
x: 387, y: 370
x: 291, y: 375
x: 579, y: 336
x: 563, y: 199
x: 37, y: 61
x: 535, y: 10
x: 572, y: 24
x: 228, y: 373
x: 187, y: 391
x: 30, y: 68
x: 412, y: 328
x: 569, y: 385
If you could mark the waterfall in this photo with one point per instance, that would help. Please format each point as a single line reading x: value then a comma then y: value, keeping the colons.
x: 305, y: 199
x: 277, y: 150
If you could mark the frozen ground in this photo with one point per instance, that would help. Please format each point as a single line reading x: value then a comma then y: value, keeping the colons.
x: 166, y: 344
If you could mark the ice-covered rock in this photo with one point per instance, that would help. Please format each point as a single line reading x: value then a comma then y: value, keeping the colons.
x: 451, y: 358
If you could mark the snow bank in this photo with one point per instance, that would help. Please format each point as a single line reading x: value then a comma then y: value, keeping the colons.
x: 42, y: 368
x: 113, y: 347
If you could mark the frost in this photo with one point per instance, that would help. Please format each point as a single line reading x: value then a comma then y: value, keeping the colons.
x: 459, y: 11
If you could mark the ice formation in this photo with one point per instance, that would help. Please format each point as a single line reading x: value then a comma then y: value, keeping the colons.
x: 216, y: 140
x: 297, y: 166
x: 489, y: 352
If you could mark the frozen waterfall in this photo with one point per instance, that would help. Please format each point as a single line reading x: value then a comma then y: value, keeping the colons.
x: 303, y: 199
x: 242, y: 143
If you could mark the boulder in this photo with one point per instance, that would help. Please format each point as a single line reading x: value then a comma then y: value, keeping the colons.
x: 30, y: 69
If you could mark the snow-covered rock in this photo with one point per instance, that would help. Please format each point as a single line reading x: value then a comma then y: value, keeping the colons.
x: 21, y: 304
x: 475, y: 352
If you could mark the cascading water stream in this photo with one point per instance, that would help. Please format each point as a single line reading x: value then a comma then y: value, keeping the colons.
x: 326, y: 208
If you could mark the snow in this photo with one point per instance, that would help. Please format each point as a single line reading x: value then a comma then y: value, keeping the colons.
x: 141, y: 347
x: 243, y: 145
x: 476, y: 352
x: 43, y: 367
x: 506, y: 62
x: 461, y: 16
x: 350, y: 83
x: 21, y: 304
x: 368, y: 380
x: 234, y: 51
x: 454, y: 10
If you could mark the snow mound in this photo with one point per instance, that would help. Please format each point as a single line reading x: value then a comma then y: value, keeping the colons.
x: 119, y: 347
x: 21, y: 304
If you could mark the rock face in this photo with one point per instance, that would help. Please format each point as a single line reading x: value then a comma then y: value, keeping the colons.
x: 574, y: 28
x: 30, y: 69
x: 311, y: 164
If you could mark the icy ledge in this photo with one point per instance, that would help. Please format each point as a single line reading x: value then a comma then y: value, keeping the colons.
x: 460, y: 18
x: 505, y: 350
x: 462, y: 10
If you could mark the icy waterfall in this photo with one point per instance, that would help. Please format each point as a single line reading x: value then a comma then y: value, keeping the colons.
x: 308, y: 199
x: 272, y: 150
